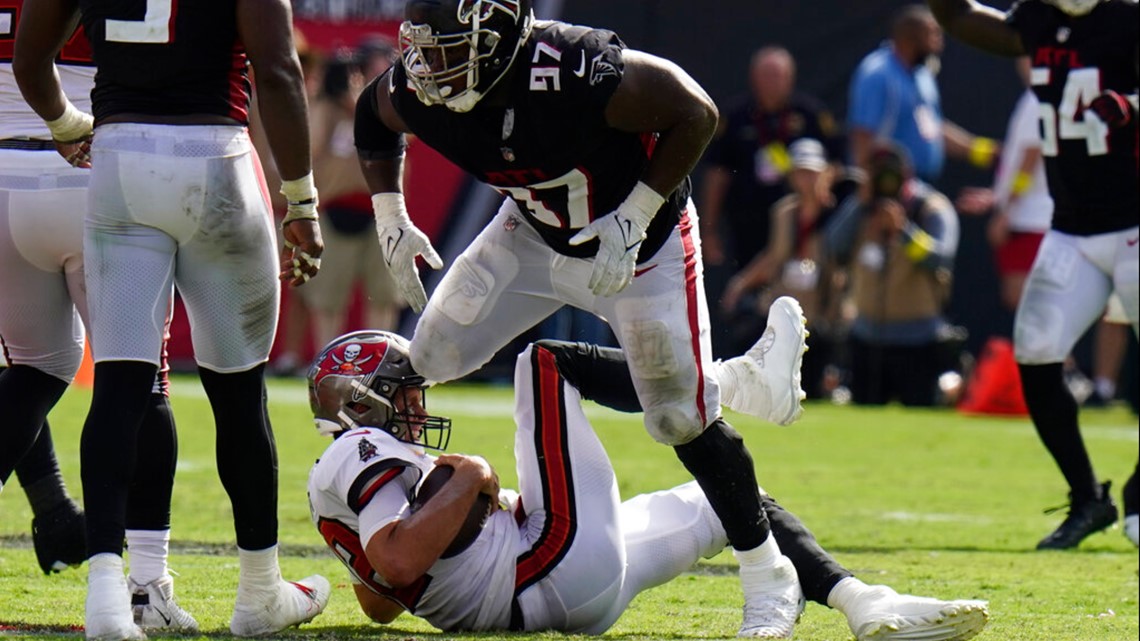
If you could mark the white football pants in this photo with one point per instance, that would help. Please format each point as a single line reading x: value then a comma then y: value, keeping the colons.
x: 509, y: 279
x: 42, y: 296
x: 183, y: 205
x: 584, y: 556
x: 1068, y: 287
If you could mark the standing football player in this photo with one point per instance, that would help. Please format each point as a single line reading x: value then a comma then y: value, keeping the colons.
x: 42, y: 200
x: 1085, y: 68
x: 584, y: 554
x: 174, y: 199
x: 591, y: 145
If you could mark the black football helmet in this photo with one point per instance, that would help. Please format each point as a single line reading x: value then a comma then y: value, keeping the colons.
x: 1074, y: 7
x: 456, y: 51
x: 354, y: 382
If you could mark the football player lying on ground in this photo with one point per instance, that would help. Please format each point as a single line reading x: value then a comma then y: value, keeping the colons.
x: 565, y: 555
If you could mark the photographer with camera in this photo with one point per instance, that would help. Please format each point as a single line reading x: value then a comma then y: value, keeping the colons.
x: 898, y: 237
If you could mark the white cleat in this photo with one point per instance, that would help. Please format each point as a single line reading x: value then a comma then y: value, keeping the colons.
x: 885, y: 615
x: 1132, y: 528
x: 288, y: 604
x: 773, y: 600
x: 107, y: 613
x: 154, y: 607
x: 765, y: 381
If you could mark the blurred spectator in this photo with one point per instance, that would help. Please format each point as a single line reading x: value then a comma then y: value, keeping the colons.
x: 748, y: 163
x: 1019, y: 200
x: 351, y: 252
x: 900, y: 247
x: 792, y: 263
x: 894, y: 97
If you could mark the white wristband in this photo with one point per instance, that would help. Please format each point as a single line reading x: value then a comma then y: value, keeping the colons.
x: 645, y: 201
x: 72, y: 125
x: 389, y: 205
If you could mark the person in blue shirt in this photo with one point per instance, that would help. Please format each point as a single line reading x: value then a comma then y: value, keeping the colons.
x: 894, y: 97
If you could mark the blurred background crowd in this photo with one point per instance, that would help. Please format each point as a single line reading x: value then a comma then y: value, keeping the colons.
x: 908, y: 257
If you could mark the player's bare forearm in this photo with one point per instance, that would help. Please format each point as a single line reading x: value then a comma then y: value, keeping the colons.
x: 656, y: 95
x: 977, y: 25
x: 44, y: 27
x: 265, y: 28
x: 380, y: 143
x: 384, y: 175
x: 404, y: 550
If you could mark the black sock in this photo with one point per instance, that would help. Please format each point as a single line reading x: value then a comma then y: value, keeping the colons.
x: 1132, y: 493
x: 27, y: 395
x: 109, y: 447
x: 246, y: 453
x: 40, y: 477
x: 148, y: 507
x: 819, y: 572
x: 722, y: 466
x: 1054, y: 413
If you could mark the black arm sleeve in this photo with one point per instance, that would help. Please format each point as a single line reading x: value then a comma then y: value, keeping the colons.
x: 374, y: 140
x: 600, y: 374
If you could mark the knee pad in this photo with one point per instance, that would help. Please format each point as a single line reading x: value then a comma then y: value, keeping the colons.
x: 674, y: 423
x: 435, y: 356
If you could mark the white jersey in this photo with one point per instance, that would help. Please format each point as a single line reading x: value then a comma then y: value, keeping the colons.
x: 17, y: 120
x: 1033, y: 211
x: 366, y: 480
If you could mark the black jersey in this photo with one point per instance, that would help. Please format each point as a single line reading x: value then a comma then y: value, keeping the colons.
x: 549, y: 147
x: 167, y: 57
x: 1092, y: 170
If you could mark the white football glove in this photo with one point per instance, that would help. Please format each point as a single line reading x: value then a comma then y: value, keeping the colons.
x: 400, y: 243
x: 619, y: 235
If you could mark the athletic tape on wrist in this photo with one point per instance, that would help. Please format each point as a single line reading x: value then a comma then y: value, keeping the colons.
x: 301, y: 198
x: 72, y: 124
x: 645, y: 201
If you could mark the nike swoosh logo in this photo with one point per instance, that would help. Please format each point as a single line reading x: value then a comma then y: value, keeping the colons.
x: 393, y: 243
x: 626, y: 227
x: 1132, y: 241
x: 309, y: 592
x: 644, y: 270
x: 165, y: 619
x: 581, y: 71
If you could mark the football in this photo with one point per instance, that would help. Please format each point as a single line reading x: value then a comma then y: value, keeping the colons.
x: 476, y: 515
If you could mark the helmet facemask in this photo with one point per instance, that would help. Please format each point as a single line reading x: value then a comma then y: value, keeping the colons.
x: 1074, y: 7
x: 365, y: 379
x: 455, y: 60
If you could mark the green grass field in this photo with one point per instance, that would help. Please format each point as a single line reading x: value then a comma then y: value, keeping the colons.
x: 928, y: 502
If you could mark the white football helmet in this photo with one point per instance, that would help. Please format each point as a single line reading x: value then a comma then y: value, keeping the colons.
x: 354, y: 381
x: 1074, y: 7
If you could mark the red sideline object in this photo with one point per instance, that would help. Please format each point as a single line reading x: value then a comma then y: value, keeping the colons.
x: 995, y: 385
